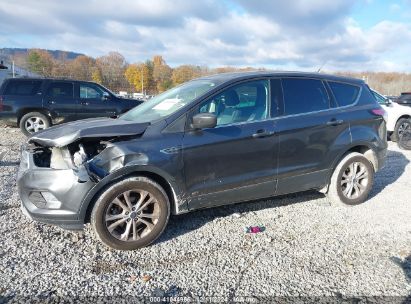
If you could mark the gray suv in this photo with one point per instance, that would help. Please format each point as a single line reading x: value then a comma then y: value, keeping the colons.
x: 212, y: 141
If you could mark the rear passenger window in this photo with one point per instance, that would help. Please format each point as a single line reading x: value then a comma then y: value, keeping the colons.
x: 23, y: 87
x: 304, y: 96
x: 344, y: 93
x: 60, y: 89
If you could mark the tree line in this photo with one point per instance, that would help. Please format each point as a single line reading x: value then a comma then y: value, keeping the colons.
x: 154, y: 75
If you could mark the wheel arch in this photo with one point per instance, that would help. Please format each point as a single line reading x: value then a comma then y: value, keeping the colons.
x: 25, y: 111
x: 363, y: 148
x: 160, y: 178
x: 405, y: 116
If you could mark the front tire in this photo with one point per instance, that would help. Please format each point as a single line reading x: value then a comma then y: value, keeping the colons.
x: 33, y: 122
x: 130, y: 214
x: 402, y: 125
x: 351, y: 181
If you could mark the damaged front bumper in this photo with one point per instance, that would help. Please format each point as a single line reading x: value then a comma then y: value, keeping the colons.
x: 52, y: 196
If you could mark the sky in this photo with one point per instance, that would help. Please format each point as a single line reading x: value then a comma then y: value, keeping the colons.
x: 338, y: 35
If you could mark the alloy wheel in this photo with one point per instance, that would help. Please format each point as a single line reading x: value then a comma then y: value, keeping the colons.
x: 354, y: 180
x: 403, y: 128
x: 35, y: 124
x: 132, y: 215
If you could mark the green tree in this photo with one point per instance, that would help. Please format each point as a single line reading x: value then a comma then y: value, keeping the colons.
x: 40, y: 62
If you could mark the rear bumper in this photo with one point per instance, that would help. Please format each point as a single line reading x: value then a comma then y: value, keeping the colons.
x: 8, y: 119
x: 50, y: 196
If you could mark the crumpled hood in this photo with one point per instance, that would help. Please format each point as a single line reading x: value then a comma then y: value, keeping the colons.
x: 65, y: 134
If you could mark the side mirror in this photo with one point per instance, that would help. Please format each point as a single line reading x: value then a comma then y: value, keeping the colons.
x: 204, y: 121
x: 106, y: 96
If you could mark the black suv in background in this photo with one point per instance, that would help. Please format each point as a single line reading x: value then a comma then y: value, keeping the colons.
x: 35, y: 104
x: 212, y: 141
x: 404, y: 99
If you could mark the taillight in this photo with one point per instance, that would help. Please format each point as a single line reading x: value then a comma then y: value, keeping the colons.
x: 380, y: 112
x: 1, y: 103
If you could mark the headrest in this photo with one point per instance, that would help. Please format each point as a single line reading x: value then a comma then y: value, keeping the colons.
x: 231, y: 98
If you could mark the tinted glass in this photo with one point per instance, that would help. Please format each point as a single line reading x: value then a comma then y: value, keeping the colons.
x: 60, y: 89
x: 304, y: 95
x: 276, y: 98
x: 244, y: 102
x: 344, y: 93
x: 89, y: 91
x: 23, y: 87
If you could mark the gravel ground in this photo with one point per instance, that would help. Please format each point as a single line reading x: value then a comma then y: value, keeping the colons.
x: 309, y: 248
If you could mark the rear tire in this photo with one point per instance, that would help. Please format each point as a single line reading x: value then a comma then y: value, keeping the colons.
x: 130, y: 214
x: 33, y: 122
x: 351, y: 181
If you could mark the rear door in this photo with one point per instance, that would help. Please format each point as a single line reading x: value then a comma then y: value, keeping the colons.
x: 94, y: 101
x: 309, y: 133
x: 59, y: 99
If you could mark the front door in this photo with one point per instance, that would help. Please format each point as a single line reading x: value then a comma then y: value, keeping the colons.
x: 95, y: 102
x: 236, y: 160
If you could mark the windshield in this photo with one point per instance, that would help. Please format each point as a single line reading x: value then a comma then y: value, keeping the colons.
x: 168, y: 102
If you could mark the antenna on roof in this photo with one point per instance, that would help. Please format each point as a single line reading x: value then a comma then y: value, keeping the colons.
x: 321, y: 67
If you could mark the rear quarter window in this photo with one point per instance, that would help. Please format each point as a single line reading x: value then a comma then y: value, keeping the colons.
x: 23, y: 87
x: 344, y: 93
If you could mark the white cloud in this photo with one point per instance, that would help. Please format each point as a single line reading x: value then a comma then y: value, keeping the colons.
x: 395, y: 7
x: 275, y: 34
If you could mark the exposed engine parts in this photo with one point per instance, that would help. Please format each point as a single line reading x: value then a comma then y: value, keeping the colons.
x: 90, y: 159
x: 80, y: 157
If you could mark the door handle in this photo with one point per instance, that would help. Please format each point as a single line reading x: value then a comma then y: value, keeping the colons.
x: 52, y: 102
x: 335, y: 122
x: 84, y: 103
x: 262, y: 133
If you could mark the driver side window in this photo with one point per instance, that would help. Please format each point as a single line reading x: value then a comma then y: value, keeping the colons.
x: 90, y: 92
x: 241, y: 103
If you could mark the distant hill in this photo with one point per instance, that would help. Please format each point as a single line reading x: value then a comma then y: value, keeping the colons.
x: 6, y: 53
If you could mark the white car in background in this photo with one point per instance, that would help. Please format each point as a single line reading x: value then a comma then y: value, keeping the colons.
x: 399, y: 117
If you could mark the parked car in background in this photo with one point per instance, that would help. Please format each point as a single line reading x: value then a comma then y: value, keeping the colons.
x: 34, y: 104
x: 404, y: 99
x: 399, y: 116
x: 212, y: 141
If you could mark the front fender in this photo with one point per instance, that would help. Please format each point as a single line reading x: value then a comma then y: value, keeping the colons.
x: 119, y: 160
x: 129, y: 170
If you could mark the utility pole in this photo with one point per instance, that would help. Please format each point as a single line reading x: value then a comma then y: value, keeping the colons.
x: 142, y: 82
x: 12, y: 68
